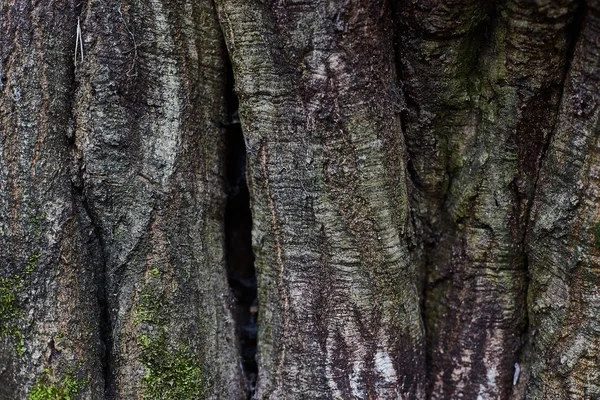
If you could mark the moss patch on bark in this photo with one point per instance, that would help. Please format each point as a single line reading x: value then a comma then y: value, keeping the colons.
x: 48, y: 387
x: 10, y: 310
x: 172, y: 371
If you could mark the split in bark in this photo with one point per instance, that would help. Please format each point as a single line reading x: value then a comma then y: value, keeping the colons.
x: 241, y: 274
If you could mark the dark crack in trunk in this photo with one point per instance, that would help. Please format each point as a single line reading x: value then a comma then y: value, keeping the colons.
x: 241, y: 273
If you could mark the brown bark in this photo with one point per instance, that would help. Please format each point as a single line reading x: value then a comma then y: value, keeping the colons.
x: 483, y: 82
x: 416, y: 184
x: 49, y: 254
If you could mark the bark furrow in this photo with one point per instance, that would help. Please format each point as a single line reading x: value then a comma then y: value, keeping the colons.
x: 150, y: 139
x: 320, y: 199
x: 49, y: 314
x: 564, y: 351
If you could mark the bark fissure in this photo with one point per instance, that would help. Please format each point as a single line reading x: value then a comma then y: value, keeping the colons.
x: 95, y: 242
x: 475, y: 142
x: 241, y: 273
x: 405, y: 206
x: 105, y: 325
x: 573, y: 33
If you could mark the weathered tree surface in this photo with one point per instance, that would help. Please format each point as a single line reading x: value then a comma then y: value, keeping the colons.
x: 482, y: 83
x: 320, y: 199
x: 113, y: 164
x: 339, y: 308
x: 564, y: 245
x: 149, y: 146
x: 49, y: 254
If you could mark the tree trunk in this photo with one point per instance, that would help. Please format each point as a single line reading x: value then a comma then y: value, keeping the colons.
x: 238, y: 199
x: 339, y: 311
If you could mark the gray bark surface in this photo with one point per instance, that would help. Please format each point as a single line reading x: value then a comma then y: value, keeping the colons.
x: 316, y: 199
x: 49, y: 254
x: 339, y: 308
x: 564, y: 307
x: 149, y: 147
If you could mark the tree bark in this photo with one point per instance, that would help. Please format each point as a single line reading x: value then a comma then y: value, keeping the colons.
x: 565, y: 238
x: 238, y: 199
x: 150, y: 151
x: 478, y: 122
x: 50, y: 255
x: 339, y: 309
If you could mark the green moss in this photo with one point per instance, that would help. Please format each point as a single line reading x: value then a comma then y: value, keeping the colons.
x: 10, y: 312
x: 172, y: 372
x: 36, y: 220
x: 152, y: 307
x: 597, y: 235
x: 31, y: 267
x: 47, y: 388
x: 154, y: 273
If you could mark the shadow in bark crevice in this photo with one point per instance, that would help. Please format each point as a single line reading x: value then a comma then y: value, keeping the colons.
x: 241, y: 274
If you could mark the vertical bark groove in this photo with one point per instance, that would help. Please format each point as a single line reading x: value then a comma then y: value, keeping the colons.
x: 399, y: 198
x: 241, y: 273
x: 95, y: 244
x: 150, y: 141
x: 339, y: 312
x: 564, y: 239
x: 48, y: 267
x: 523, y: 355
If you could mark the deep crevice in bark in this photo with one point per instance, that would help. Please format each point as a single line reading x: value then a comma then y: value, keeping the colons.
x: 574, y: 32
x: 105, y: 324
x: 406, y: 104
x: 241, y: 274
x: 98, y: 248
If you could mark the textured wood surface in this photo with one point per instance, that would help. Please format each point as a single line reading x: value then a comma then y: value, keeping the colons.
x: 422, y: 179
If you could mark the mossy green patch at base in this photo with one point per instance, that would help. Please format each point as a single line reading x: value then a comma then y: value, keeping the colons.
x: 10, y: 312
x: 65, y: 389
x: 170, y: 373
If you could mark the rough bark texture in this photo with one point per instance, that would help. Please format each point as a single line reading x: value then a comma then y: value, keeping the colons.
x: 564, y: 296
x: 150, y: 152
x: 411, y: 189
x: 116, y: 201
x: 339, y: 315
x: 49, y: 254
x: 482, y: 83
